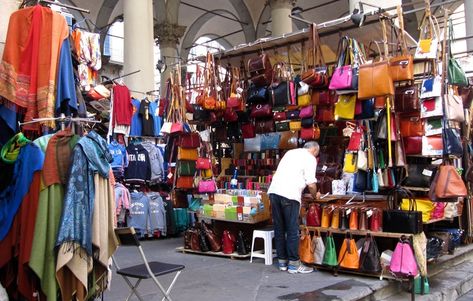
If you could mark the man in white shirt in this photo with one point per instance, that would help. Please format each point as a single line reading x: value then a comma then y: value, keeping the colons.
x: 295, y: 171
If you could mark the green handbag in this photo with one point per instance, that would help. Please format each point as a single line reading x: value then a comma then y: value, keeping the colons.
x: 330, y: 255
x: 456, y: 75
x: 186, y: 168
x: 282, y: 126
x: 421, y: 285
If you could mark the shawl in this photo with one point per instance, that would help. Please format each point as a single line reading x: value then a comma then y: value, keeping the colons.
x: 66, y: 97
x: 11, y: 149
x: 30, y: 159
x: 29, y: 63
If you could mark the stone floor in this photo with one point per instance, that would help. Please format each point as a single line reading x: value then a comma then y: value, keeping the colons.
x: 216, y: 278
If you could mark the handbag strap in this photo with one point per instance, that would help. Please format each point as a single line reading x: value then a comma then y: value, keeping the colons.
x: 317, y: 49
x: 402, y: 37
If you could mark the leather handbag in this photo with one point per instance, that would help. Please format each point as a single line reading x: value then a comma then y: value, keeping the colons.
x: 189, y: 140
x: 257, y: 95
x: 190, y: 154
x: 330, y: 255
x: 349, y: 165
x: 203, y: 163
x: 279, y: 116
x: 204, y: 247
x: 289, y: 140
x: 380, y: 102
x: 186, y: 168
x: 454, y: 108
x: 406, y: 99
x: 241, y: 244
x: 317, y: 76
x: 342, y: 77
x: 261, y: 111
x: 425, y: 206
x: 332, y: 170
x: 360, y: 181
x: 345, y: 107
x: 230, y: 115
x: 381, y: 127
x: 369, y: 257
x: 264, y: 126
x: 306, y: 112
x: 376, y: 220
x: 401, y: 221
x: 324, y: 184
x: 363, y: 220
x: 293, y: 114
x: 311, y: 133
x: 401, y: 67
x: 185, y: 182
x: 411, y: 125
x: 353, y: 219
x: 420, y: 175
x: 214, y: 242
x: 319, y: 248
x: 335, y: 222
x: 455, y: 73
x: 306, y: 251
x: 367, y: 109
x: 325, y: 114
x: 200, y: 114
x: 304, y: 100
x: 282, y: 126
x: 432, y: 145
x: 207, y: 186
x: 280, y: 93
x: 326, y: 98
x: 313, y: 215
x: 228, y: 242
x: 295, y: 125
x: 452, y: 142
x: 326, y: 216
x: 307, y: 122
x: 449, y: 183
x: 343, y: 220
x: 348, y: 257
x: 252, y: 144
x: 270, y: 141
x: 261, y: 70
x: 412, y: 145
x: 248, y: 130
x: 403, y: 262
x: 355, y: 140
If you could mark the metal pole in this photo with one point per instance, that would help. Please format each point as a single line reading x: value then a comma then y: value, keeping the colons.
x: 66, y: 6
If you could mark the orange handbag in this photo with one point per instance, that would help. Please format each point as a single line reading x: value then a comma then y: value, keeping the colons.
x: 190, y: 154
x: 411, y: 125
x: 449, y: 183
x: 326, y: 216
x: 306, y: 250
x: 380, y: 102
x: 348, y: 256
x: 353, y: 221
x: 185, y: 182
x: 402, y: 67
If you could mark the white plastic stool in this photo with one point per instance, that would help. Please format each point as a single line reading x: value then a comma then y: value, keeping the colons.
x: 267, y: 253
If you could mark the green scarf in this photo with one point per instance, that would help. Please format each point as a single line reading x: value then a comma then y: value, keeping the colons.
x: 11, y: 149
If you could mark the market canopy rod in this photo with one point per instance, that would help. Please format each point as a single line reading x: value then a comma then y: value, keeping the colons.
x: 109, y: 81
x: 214, y: 39
x: 214, y: 13
x: 66, y: 6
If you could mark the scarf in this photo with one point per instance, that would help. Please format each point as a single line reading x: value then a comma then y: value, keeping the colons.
x: 11, y: 149
x: 89, y: 156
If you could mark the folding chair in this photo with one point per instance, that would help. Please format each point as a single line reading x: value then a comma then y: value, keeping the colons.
x: 127, y: 237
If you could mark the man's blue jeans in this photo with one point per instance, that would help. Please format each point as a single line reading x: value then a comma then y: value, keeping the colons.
x: 286, y: 228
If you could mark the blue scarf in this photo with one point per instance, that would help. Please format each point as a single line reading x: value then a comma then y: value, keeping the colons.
x: 90, y: 155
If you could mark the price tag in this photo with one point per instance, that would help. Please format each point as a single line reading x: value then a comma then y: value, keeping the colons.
x: 324, y: 168
x: 348, y: 211
x: 239, y: 90
x: 427, y: 172
x: 170, y: 175
x: 219, y: 88
x: 369, y: 213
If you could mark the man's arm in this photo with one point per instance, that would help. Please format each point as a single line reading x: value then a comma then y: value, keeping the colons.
x: 313, y: 190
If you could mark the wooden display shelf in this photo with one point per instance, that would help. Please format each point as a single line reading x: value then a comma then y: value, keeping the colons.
x: 346, y: 197
x: 258, y: 220
x: 233, y: 255
x: 357, y: 232
x: 423, y: 189
x: 435, y: 220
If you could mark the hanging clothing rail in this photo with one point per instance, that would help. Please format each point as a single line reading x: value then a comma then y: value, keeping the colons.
x: 60, y: 119
x: 110, y: 81
x: 66, y: 6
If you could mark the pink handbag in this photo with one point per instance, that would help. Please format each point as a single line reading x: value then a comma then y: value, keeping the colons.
x: 306, y: 112
x: 403, y: 262
x: 439, y: 210
x: 341, y: 78
x: 207, y: 186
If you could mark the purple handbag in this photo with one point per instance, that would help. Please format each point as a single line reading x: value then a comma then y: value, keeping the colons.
x: 207, y: 186
x: 341, y: 78
x: 306, y: 112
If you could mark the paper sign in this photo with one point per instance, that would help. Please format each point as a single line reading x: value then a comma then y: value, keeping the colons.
x: 427, y: 172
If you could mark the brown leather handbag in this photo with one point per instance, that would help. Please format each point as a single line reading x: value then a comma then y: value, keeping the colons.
x: 411, y: 125
x: 376, y: 220
x: 375, y: 79
x: 317, y: 76
x: 348, y: 256
x: 402, y: 67
x: 261, y: 70
x: 335, y: 223
x: 289, y: 140
x: 449, y: 183
x: 215, y: 244
x: 353, y: 220
x: 406, y: 99
x: 306, y: 250
x: 264, y: 126
x: 363, y: 219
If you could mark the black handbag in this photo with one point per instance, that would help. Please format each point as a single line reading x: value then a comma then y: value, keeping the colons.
x: 435, y: 246
x: 200, y: 114
x: 293, y: 114
x: 204, y: 247
x: 280, y: 94
x: 401, y: 221
x: 241, y: 247
x: 257, y: 95
x: 307, y: 122
x: 367, y: 109
x: 282, y: 126
x: 420, y: 175
x: 359, y: 184
x: 452, y: 143
x: 369, y: 257
x: 343, y: 220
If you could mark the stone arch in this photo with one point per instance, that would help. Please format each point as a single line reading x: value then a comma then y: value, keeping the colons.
x: 103, y: 17
x: 244, y: 16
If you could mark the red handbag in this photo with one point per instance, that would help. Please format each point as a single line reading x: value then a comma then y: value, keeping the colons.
x: 162, y: 107
x: 230, y: 115
x: 358, y: 107
x: 189, y: 140
x: 313, y: 215
x: 248, y: 130
x: 326, y: 98
x: 376, y: 220
x: 279, y: 116
x: 203, y: 163
x: 428, y: 104
x: 185, y: 182
x: 412, y: 145
x: 228, y: 242
x: 312, y: 133
x: 355, y: 141
x: 411, y: 126
x: 177, y: 127
x: 234, y: 102
x: 325, y: 114
x: 261, y: 110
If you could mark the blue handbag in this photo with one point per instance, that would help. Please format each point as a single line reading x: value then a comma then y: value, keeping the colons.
x: 367, y: 109
x: 270, y: 141
x: 257, y: 94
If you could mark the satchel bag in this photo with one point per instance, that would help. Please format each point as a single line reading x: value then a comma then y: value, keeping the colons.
x: 413, y: 145
x: 280, y: 93
x: 311, y: 133
x: 454, y: 108
x: 186, y: 168
x: 401, y: 67
x: 402, y: 221
x: 203, y: 163
x: 406, y: 99
x: 325, y: 114
x: 257, y: 95
x: 306, y: 112
x: 248, y: 130
x: 304, y: 100
x: 342, y: 77
x: 449, y: 183
x: 190, y: 154
x: 369, y: 257
x: 456, y: 75
x: 295, y: 125
x: 326, y: 216
x: 306, y: 251
x: 282, y: 126
x: 345, y: 107
x: 348, y: 256
x: 420, y: 175
x: 261, y: 110
x: 185, y: 182
x: 423, y: 205
x: 189, y: 140
x: 228, y: 242
x: 289, y: 140
x: 319, y: 248
x: 293, y: 114
x: 264, y: 126
x: 261, y: 70
x: 313, y: 215
x: 452, y: 142
x: 279, y: 116
x: 214, y: 242
x: 403, y: 262
x: 411, y: 125
x: 330, y: 255
x: 349, y: 165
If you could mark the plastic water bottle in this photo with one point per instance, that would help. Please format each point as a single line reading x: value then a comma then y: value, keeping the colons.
x: 234, y: 180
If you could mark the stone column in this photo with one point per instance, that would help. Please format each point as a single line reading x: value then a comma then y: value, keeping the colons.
x: 168, y: 39
x: 281, y: 23
x: 469, y: 24
x: 139, y: 44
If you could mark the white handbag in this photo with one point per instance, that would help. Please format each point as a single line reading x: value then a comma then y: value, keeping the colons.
x: 454, y: 108
x: 339, y: 187
x: 319, y: 248
x: 431, y: 87
x: 303, y: 89
x: 362, y: 160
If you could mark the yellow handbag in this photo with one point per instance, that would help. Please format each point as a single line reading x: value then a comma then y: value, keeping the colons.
x: 424, y: 205
x: 304, y: 100
x: 350, y: 163
x: 345, y: 107
x: 190, y: 154
x: 295, y: 125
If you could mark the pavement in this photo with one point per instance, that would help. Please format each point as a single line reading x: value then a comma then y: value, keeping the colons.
x: 218, y: 278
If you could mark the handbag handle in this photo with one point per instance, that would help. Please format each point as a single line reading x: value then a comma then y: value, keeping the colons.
x: 402, y: 37
x: 316, y: 47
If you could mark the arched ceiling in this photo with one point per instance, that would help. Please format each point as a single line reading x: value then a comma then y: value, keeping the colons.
x: 254, y: 17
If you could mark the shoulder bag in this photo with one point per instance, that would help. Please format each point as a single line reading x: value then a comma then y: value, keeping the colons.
x: 330, y: 255
x: 403, y: 262
x: 348, y: 256
x: 401, y: 221
x: 401, y: 67
x: 428, y: 45
x: 370, y: 258
x: 306, y: 251
x: 317, y: 76
x: 456, y: 75
x: 318, y: 247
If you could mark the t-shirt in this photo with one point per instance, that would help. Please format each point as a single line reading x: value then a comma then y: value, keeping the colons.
x: 157, y: 213
x: 138, y: 164
x: 118, y: 151
x: 156, y: 161
x: 147, y: 121
x: 122, y: 107
x: 153, y: 107
x: 295, y: 171
x: 135, y: 119
x: 138, y: 217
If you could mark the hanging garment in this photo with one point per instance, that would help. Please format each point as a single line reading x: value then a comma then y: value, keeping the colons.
x: 156, y: 161
x: 66, y: 97
x: 122, y: 106
x: 156, y: 213
x: 87, y: 49
x: 154, y: 109
x: 147, y: 119
x: 120, y: 157
x: 139, y: 208
x: 136, y: 118
x: 139, y: 167
x: 122, y: 203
